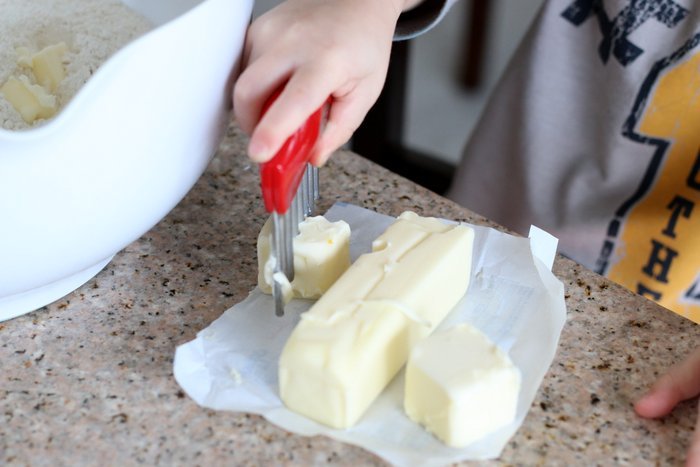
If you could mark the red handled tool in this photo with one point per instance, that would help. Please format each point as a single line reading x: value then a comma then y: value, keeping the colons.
x: 289, y: 188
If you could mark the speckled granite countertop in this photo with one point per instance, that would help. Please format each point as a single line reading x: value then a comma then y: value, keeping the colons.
x: 88, y: 380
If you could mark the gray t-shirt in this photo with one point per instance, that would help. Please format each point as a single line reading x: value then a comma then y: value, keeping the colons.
x: 593, y: 134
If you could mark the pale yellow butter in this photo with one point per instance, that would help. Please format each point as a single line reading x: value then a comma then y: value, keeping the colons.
x: 47, y: 65
x: 321, y: 255
x: 30, y: 100
x: 24, y: 56
x: 35, y: 101
x: 354, y: 340
x: 460, y: 386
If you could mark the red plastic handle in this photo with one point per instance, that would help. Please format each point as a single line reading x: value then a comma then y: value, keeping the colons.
x: 281, y: 175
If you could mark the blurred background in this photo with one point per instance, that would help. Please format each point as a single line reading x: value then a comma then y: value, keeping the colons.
x: 437, y: 87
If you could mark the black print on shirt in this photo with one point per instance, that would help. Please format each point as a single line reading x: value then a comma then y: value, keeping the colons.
x: 693, y: 180
x: 659, y: 262
x: 692, y: 295
x: 679, y: 206
x: 617, y: 30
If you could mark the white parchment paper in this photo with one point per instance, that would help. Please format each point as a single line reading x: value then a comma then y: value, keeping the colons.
x: 513, y: 298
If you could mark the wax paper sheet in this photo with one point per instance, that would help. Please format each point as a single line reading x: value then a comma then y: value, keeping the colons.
x: 513, y: 298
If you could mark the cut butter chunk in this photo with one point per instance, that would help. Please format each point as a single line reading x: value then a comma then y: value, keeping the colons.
x: 24, y: 56
x: 47, y: 65
x: 352, y: 341
x: 460, y: 386
x: 30, y: 100
x: 321, y: 255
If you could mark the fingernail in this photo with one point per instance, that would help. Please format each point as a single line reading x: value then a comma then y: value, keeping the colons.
x: 258, y: 151
x: 321, y: 161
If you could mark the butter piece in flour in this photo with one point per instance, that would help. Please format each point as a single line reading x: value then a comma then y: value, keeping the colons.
x: 47, y: 65
x: 30, y: 100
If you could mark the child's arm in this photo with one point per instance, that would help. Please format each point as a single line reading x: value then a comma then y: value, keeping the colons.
x: 319, y: 48
x: 680, y: 383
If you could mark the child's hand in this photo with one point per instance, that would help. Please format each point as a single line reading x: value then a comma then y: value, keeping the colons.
x: 680, y: 383
x: 319, y: 48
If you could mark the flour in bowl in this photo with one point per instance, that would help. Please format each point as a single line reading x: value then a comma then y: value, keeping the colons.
x: 92, y: 30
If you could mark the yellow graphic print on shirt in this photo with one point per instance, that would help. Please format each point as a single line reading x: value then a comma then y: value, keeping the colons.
x: 657, y: 253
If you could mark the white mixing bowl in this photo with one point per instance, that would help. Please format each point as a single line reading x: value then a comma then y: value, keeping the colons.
x: 120, y: 155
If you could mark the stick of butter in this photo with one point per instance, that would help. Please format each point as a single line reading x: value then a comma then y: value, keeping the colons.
x: 321, y: 255
x: 352, y: 342
x: 460, y: 386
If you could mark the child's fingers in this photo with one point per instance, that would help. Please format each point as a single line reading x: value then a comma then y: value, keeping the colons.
x: 693, y: 455
x: 253, y: 87
x: 680, y: 383
x: 334, y: 137
x: 304, y: 93
x: 659, y: 401
x: 345, y: 116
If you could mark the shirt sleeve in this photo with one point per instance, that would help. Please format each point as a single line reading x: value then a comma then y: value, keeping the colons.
x: 420, y: 19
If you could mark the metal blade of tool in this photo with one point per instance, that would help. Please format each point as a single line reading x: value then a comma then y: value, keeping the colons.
x: 285, y: 228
